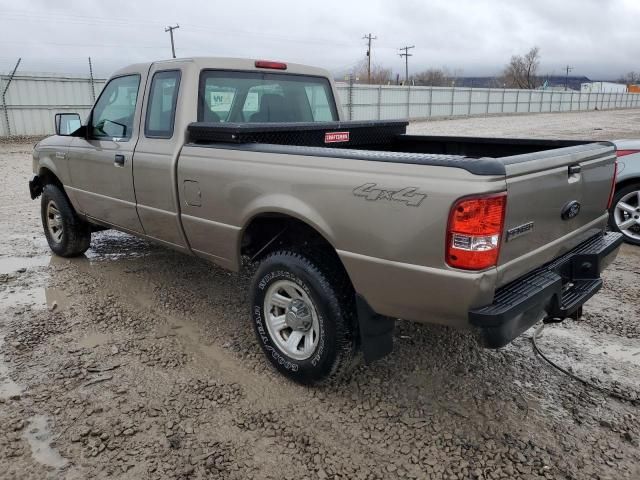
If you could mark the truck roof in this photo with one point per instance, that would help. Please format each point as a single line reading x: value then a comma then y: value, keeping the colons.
x: 227, y: 63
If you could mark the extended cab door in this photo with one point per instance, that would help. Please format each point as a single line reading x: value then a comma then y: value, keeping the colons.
x: 162, y: 134
x: 101, y: 165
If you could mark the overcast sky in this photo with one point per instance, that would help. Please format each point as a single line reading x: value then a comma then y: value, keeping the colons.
x: 598, y: 38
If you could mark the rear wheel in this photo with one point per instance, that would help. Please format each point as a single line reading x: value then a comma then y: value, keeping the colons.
x: 67, y: 234
x: 304, y: 317
x: 624, y: 216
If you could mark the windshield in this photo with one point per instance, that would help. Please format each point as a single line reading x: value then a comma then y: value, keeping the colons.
x: 228, y: 96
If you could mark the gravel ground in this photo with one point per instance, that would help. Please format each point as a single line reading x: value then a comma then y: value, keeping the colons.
x: 137, y: 362
x: 600, y: 125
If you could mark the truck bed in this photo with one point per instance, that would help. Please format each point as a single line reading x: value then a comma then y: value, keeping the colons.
x: 541, y: 177
x: 383, y: 141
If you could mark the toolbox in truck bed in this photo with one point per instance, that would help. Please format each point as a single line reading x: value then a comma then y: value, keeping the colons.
x: 311, y: 134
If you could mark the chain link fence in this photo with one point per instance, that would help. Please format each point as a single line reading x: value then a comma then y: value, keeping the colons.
x: 31, y: 101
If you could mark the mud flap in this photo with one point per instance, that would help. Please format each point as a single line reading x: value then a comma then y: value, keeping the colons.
x: 376, y: 332
x: 35, y: 187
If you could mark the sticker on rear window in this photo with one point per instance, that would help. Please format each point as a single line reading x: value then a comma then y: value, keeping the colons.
x: 336, y: 137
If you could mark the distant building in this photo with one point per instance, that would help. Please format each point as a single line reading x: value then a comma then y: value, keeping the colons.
x: 550, y: 81
x: 603, y: 87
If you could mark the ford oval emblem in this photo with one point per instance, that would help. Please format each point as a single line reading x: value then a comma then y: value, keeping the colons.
x: 570, y: 210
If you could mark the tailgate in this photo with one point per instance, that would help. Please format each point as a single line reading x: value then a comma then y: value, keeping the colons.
x: 555, y: 199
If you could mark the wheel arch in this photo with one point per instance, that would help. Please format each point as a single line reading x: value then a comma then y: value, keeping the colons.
x: 269, y: 230
x: 48, y: 176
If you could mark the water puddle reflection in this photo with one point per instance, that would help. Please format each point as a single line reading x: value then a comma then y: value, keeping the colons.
x: 39, y: 436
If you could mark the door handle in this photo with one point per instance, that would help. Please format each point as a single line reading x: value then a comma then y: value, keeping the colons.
x: 119, y: 160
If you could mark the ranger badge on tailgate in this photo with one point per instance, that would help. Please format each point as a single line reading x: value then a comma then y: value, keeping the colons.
x: 518, y: 231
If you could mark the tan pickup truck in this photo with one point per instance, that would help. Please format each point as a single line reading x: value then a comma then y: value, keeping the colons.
x: 352, y: 224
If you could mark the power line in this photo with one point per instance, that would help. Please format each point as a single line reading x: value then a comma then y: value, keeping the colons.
x: 369, y: 38
x: 406, y: 56
x: 118, y: 23
x: 83, y: 45
x: 170, y: 30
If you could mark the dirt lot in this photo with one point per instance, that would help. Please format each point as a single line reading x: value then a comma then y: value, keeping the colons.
x: 136, y: 362
x: 601, y: 125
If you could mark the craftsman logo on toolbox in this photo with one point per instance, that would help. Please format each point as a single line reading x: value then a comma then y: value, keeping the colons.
x: 336, y: 137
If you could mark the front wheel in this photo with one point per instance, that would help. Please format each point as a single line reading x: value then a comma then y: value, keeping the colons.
x: 67, y: 234
x: 304, y: 317
x: 624, y: 216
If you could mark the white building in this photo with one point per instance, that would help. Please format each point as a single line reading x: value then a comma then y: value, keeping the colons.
x: 603, y: 87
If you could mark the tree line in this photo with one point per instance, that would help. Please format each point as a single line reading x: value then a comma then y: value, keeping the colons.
x: 521, y: 72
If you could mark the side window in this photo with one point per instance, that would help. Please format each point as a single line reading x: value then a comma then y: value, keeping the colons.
x: 115, y: 109
x: 161, y: 107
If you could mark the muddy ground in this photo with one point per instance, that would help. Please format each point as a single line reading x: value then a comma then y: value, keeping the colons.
x: 137, y: 362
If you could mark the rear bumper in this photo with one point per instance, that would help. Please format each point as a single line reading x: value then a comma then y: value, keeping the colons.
x: 557, y: 289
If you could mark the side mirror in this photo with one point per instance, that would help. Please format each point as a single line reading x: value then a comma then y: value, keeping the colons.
x: 67, y: 123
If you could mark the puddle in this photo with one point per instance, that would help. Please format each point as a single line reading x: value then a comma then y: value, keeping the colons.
x: 94, y: 339
x: 13, y: 264
x: 34, y: 297
x: 614, y: 349
x: 8, y: 388
x: 38, y: 434
x: 38, y: 241
x: 114, y: 245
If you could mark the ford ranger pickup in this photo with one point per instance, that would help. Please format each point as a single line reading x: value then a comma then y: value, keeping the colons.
x: 348, y: 225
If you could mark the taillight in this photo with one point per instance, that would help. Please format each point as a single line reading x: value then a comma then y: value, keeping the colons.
x: 270, y: 64
x: 623, y: 153
x: 613, y: 185
x: 473, y: 234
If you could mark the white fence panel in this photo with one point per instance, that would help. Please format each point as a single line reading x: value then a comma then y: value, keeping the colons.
x: 32, y: 101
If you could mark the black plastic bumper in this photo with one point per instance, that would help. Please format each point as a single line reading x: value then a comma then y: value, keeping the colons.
x: 556, y: 290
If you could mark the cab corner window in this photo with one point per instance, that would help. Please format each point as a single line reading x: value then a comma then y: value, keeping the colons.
x: 161, y: 107
x: 115, y: 109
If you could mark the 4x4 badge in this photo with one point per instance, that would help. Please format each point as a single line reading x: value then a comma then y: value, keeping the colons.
x: 408, y: 195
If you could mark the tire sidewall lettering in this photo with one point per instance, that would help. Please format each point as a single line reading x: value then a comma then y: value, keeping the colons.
x: 262, y: 332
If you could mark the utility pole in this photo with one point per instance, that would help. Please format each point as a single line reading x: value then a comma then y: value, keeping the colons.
x: 406, y: 56
x: 170, y: 30
x: 369, y: 38
x: 566, y: 78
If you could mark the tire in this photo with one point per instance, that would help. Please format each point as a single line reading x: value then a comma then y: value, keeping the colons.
x: 67, y: 234
x: 324, y: 298
x: 630, y: 195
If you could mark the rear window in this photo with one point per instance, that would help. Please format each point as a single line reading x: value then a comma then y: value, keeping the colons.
x: 239, y: 97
